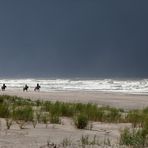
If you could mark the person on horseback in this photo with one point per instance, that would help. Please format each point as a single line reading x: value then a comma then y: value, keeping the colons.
x: 37, y: 88
x: 25, y: 88
x: 3, y: 87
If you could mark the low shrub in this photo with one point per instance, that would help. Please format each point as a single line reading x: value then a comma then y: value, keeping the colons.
x: 133, y: 138
x: 81, y: 121
x: 4, y: 110
x: 135, y: 117
x: 22, y: 115
x: 67, y: 109
x: 54, y: 119
x: 112, y: 115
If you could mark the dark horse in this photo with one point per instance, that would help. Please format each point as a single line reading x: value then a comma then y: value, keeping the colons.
x: 3, y: 87
x: 25, y: 88
x: 37, y: 87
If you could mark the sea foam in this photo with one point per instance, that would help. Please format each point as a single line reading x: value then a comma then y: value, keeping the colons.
x: 109, y: 85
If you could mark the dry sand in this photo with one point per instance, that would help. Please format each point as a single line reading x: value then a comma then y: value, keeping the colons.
x: 120, y: 100
x: 38, y: 137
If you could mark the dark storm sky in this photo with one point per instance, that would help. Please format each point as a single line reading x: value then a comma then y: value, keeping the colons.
x: 73, y: 38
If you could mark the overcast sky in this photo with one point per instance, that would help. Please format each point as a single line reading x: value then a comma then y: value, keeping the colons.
x: 73, y: 38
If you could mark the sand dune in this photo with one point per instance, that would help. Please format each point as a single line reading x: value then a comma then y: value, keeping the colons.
x: 37, y: 137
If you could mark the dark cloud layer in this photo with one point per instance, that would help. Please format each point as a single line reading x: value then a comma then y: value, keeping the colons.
x: 73, y: 38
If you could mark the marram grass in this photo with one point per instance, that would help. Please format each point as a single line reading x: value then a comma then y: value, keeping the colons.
x: 22, y: 111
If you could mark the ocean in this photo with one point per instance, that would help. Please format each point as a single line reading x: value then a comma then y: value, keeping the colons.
x: 105, y: 85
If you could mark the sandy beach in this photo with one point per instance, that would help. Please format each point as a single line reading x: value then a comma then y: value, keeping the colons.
x: 119, y: 100
x: 39, y: 137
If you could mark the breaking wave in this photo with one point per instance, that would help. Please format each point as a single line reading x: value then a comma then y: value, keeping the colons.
x: 110, y: 85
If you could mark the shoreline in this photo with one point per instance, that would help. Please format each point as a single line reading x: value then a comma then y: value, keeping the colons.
x: 118, y: 100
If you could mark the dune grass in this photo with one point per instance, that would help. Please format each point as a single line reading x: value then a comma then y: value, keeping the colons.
x: 22, y: 111
x: 25, y: 109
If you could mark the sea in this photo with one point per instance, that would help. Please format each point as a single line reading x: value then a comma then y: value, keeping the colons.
x: 130, y: 86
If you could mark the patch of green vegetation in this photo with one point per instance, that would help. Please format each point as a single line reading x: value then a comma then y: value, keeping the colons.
x: 23, y: 114
x: 21, y: 111
x: 135, y: 117
x: 81, y: 121
x: 54, y: 119
x: 26, y: 110
x: 4, y: 110
x: 134, y: 138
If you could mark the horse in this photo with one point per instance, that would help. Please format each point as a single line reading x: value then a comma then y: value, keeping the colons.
x: 25, y: 88
x: 3, y: 87
x: 37, y: 88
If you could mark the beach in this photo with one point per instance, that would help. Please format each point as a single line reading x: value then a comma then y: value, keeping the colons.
x: 40, y: 136
x: 114, y: 99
